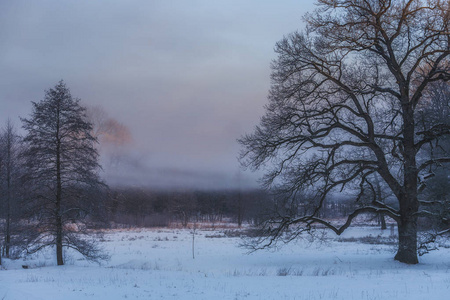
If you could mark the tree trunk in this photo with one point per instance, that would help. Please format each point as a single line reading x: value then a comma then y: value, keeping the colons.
x: 59, y: 250
x: 407, y: 241
x: 409, y: 204
x: 8, y: 216
x: 239, y: 214
x: 382, y: 221
x: 8, y: 235
x: 8, y: 188
x: 59, y: 225
x: 381, y: 218
x: 58, y: 220
x: 8, y: 219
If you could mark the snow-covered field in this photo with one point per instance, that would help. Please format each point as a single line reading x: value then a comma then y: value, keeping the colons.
x: 158, y: 264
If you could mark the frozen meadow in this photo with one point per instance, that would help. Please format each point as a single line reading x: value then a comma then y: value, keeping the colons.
x: 159, y: 264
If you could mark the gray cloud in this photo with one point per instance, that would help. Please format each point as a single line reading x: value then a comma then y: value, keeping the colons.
x: 186, y: 77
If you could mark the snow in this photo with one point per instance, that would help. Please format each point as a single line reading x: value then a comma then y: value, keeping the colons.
x: 158, y: 264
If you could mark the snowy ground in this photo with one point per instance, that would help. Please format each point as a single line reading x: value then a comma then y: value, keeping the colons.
x: 158, y: 264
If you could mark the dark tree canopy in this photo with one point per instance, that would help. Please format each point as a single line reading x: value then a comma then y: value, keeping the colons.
x: 62, y: 165
x: 343, y: 106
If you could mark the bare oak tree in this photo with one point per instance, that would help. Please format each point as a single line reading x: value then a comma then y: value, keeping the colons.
x: 62, y: 165
x: 342, y: 107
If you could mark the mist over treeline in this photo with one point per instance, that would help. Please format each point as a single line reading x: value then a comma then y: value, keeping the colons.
x: 129, y: 206
x: 124, y: 164
x: 43, y: 184
x: 150, y: 207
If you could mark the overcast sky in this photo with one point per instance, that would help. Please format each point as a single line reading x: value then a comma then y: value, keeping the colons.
x: 186, y: 77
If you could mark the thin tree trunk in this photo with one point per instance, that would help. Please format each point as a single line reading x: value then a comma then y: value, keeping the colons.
x: 8, y: 213
x: 239, y: 210
x: 380, y: 199
x: 58, y: 223
x: 59, y: 234
x: 8, y: 233
x: 9, y: 138
x: 383, y: 222
x: 59, y: 252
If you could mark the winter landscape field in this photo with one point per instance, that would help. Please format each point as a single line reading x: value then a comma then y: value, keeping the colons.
x: 159, y: 264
